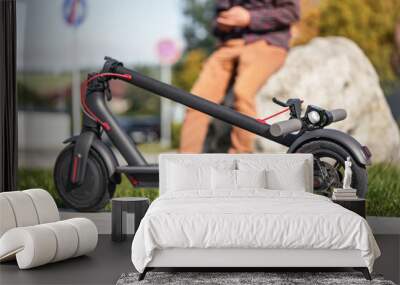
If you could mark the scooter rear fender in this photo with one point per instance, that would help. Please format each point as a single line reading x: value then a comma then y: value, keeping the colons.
x: 342, y: 139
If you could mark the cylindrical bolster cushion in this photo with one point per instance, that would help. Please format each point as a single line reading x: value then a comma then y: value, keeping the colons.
x: 33, y: 246
x: 23, y: 208
x: 37, y: 245
x: 87, y: 235
x: 7, y: 218
x: 67, y: 240
x: 45, y: 206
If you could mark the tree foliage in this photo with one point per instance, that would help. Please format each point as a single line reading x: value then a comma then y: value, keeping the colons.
x: 308, y: 26
x: 188, y: 69
x: 369, y: 23
x: 199, y: 41
x: 198, y: 24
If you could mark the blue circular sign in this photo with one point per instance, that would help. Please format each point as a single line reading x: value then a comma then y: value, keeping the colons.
x: 74, y: 12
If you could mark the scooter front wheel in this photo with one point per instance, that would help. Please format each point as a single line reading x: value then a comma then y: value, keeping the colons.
x: 94, y: 193
x: 329, y: 159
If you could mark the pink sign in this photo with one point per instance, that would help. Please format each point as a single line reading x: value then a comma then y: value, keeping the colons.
x: 168, y: 52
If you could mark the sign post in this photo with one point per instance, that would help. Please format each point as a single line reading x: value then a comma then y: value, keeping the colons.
x: 168, y: 54
x: 74, y: 13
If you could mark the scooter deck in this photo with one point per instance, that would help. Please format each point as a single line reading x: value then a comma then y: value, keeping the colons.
x: 144, y: 176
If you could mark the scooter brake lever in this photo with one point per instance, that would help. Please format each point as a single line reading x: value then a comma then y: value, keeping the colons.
x: 295, y: 107
x: 110, y: 64
x: 280, y: 103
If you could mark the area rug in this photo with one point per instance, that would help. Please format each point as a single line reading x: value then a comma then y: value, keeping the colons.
x: 243, y: 278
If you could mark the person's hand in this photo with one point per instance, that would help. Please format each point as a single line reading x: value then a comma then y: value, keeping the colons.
x: 236, y: 16
x: 224, y: 28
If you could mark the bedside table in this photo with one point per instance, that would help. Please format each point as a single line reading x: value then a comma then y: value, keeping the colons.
x: 126, y: 214
x: 356, y: 205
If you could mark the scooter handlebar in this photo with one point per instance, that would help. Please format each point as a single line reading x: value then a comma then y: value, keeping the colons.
x: 337, y: 115
x: 285, y: 127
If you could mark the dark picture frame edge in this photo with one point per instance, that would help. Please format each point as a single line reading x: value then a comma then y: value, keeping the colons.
x: 8, y: 97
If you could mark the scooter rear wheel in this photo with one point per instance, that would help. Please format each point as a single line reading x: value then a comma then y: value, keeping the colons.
x: 329, y: 159
x: 95, y: 191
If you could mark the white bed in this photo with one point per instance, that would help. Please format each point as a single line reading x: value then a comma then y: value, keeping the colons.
x: 203, y: 220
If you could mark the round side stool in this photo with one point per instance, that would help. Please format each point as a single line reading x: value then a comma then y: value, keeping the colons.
x: 127, y: 212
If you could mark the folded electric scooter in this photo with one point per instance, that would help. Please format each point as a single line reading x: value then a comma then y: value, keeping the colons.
x: 86, y: 171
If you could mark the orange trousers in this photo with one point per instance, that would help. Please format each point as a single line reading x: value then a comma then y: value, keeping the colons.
x: 256, y: 62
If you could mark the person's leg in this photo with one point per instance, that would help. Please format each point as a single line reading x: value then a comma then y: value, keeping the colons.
x: 211, y: 85
x: 257, y: 62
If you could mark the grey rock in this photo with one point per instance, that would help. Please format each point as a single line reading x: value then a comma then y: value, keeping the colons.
x: 332, y: 73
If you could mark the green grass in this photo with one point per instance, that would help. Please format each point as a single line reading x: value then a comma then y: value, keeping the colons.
x: 43, y: 178
x: 383, y: 198
x: 38, y: 178
x: 125, y: 189
x: 153, y: 148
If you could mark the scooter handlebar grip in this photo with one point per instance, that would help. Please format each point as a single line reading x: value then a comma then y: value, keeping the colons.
x: 338, y: 115
x: 285, y: 127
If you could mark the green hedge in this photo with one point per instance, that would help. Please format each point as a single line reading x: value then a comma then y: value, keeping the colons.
x: 383, y: 197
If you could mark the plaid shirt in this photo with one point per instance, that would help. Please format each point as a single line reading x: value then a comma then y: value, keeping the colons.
x: 269, y: 20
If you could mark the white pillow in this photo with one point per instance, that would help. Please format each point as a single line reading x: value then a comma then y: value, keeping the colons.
x: 279, y: 179
x: 281, y: 174
x: 227, y: 179
x: 193, y: 175
x: 187, y: 177
x: 251, y: 178
x: 223, y: 179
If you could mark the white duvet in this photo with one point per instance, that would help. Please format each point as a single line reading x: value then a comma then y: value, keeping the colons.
x: 250, y: 219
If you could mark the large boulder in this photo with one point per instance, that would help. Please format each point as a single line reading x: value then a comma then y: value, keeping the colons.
x: 334, y: 73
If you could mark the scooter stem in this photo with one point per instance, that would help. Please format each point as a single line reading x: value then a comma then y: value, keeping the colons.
x: 223, y: 113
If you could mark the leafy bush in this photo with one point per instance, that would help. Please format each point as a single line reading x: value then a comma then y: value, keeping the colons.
x: 383, y: 198
x: 369, y: 23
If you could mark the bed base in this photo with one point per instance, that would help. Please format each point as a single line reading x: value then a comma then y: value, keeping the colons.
x: 363, y: 270
x: 143, y: 274
x: 245, y: 259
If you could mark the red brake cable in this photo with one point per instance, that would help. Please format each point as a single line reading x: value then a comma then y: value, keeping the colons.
x: 264, y: 120
x: 86, y: 109
x: 109, y: 74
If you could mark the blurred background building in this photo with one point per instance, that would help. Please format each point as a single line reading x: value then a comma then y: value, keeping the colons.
x: 58, y: 39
